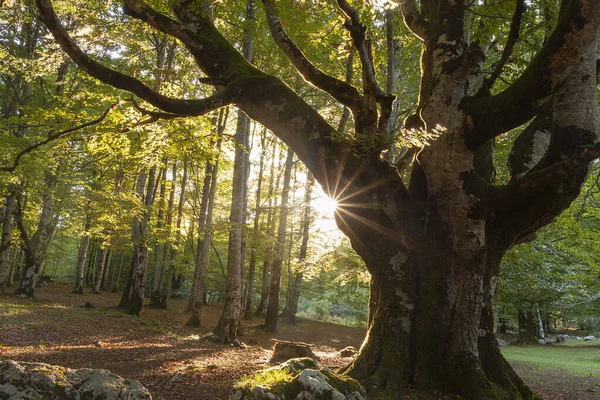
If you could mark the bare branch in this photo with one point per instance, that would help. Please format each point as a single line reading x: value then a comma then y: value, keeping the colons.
x: 342, y: 91
x: 122, y: 81
x: 494, y: 115
x: 513, y: 36
x: 413, y: 19
x: 57, y: 135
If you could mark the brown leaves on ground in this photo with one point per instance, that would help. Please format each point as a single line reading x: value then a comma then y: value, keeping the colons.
x: 157, y: 349
x: 168, y: 357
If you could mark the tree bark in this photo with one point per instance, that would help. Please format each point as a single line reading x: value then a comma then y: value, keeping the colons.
x: 205, y: 235
x: 226, y: 329
x: 271, y: 218
x: 99, y: 269
x: 273, y: 306
x: 291, y: 308
x: 230, y: 318
x: 255, y: 231
x: 166, y: 292
x: 9, y: 208
x: 81, y: 257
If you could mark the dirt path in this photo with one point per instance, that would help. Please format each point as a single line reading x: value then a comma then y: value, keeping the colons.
x: 169, y: 359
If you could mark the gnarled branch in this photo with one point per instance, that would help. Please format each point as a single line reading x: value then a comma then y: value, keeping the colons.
x: 357, y: 31
x: 122, y: 81
x: 494, y: 115
x: 342, y: 91
x: 513, y: 36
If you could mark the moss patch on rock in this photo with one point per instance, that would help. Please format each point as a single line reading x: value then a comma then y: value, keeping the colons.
x: 298, y: 377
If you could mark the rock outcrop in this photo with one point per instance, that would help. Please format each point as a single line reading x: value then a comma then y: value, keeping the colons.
x: 298, y: 379
x: 37, y: 381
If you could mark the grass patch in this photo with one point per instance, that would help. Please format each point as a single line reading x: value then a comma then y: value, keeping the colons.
x: 15, y: 310
x: 575, y: 357
x: 275, y: 379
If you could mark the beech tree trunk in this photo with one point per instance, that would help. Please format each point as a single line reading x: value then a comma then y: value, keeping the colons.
x: 226, y: 329
x: 205, y: 234
x: 271, y: 219
x: 273, y: 305
x: 291, y: 307
x: 9, y: 208
x: 36, y: 246
x: 255, y: 231
x: 81, y: 257
x: 99, y: 269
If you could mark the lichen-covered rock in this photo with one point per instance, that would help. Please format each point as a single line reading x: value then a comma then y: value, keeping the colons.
x: 298, y: 379
x: 37, y: 381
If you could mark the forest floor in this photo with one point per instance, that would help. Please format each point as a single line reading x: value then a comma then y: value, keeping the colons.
x: 171, y: 360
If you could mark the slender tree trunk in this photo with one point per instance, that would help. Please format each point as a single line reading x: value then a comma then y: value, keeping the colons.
x: 6, y: 239
x: 273, y: 306
x: 104, y: 282
x: 291, y: 308
x: 166, y: 293
x: 528, y: 330
x: 36, y: 247
x: 255, y: 232
x: 116, y: 277
x: 157, y: 273
x: 271, y: 217
x: 205, y: 233
x: 249, y: 140
x: 226, y: 329
x: 81, y: 257
x: 100, y: 266
x: 165, y: 271
x: 139, y: 264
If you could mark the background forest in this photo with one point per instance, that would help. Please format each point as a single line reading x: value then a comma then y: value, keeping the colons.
x: 95, y: 184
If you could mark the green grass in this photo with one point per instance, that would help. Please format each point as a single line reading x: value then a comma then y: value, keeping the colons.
x: 575, y: 357
x: 12, y: 310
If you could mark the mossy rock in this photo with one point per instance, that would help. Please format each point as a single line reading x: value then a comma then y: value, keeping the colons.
x: 37, y: 381
x: 298, y: 379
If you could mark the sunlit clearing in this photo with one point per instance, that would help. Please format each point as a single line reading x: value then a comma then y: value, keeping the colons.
x: 325, y: 205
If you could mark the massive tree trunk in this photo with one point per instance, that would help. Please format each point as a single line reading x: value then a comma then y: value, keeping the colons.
x: 434, y: 246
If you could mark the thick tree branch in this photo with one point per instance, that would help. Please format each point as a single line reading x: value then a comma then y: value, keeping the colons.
x: 494, y: 115
x: 122, y: 81
x: 358, y: 32
x: 156, y: 115
x: 57, y: 135
x: 513, y: 36
x: 342, y: 91
x: 413, y: 19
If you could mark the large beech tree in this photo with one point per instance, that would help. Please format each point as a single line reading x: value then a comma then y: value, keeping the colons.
x: 433, y: 243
